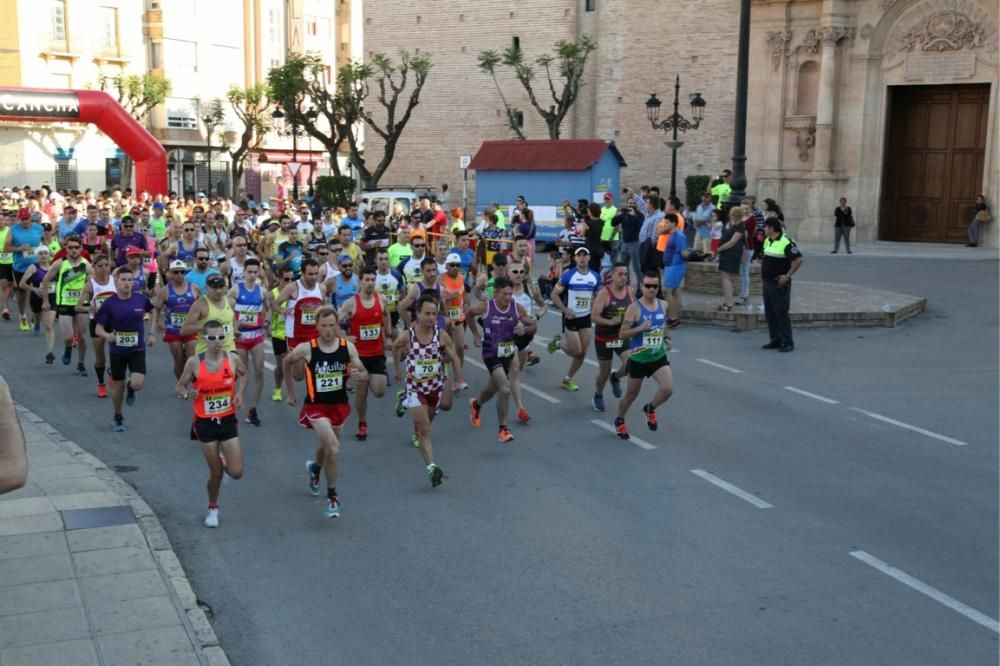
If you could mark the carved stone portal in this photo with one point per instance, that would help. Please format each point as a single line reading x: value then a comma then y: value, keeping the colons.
x: 777, y: 43
x: 944, y: 31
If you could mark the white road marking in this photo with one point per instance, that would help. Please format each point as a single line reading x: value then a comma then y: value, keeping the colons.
x: 530, y: 389
x: 924, y: 588
x: 730, y: 488
x: 812, y: 395
x: 922, y: 431
x: 635, y: 440
x: 269, y: 365
x: 720, y: 366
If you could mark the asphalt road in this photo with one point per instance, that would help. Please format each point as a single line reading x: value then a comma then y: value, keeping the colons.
x: 569, y: 546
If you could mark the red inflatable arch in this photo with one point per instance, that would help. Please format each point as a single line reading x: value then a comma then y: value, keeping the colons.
x: 97, y: 108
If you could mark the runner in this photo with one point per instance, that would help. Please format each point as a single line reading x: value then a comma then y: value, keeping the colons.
x: 412, y: 268
x: 279, y: 344
x: 70, y: 276
x: 343, y: 286
x: 97, y: 290
x: 236, y: 260
x: 7, y: 285
x: 185, y: 247
x: 219, y: 379
x: 174, y: 301
x: 328, y: 359
x: 424, y: 347
x: 608, y: 313
x: 299, y: 301
x: 502, y: 319
x: 368, y: 319
x: 387, y: 284
x: 253, y: 317
x: 22, y: 239
x: 645, y: 328
x: 525, y: 294
x: 32, y: 282
x: 452, y: 286
x: 427, y: 282
x: 213, y: 304
x: 120, y: 322
x: 579, y: 284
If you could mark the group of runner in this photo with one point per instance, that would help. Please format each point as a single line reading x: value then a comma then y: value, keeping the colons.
x: 331, y: 319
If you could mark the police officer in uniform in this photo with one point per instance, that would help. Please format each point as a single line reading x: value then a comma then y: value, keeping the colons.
x: 781, y: 260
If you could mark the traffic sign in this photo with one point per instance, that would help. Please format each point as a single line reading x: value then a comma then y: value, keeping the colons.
x: 294, y: 167
x: 464, y: 161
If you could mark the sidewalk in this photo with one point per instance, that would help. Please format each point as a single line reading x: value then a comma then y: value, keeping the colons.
x: 87, y: 574
x: 905, y: 250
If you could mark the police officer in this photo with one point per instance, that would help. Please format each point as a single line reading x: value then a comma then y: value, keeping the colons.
x: 781, y: 259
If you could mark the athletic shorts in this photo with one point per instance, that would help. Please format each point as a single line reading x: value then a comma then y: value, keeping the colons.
x: 16, y: 279
x: 522, y: 341
x: 247, y: 344
x: 606, y: 353
x: 220, y: 429
x: 416, y: 399
x: 66, y: 311
x: 279, y: 345
x: 150, y: 281
x: 640, y: 370
x: 394, y: 318
x: 134, y: 361
x: 673, y: 276
x: 374, y: 365
x: 173, y: 337
x: 336, y: 413
x: 576, y: 323
x: 494, y: 363
x: 7, y: 272
x: 36, y: 302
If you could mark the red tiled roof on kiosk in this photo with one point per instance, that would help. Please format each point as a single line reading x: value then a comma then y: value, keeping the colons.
x: 542, y: 155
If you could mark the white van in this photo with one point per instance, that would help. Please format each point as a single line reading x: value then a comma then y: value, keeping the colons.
x: 385, y: 200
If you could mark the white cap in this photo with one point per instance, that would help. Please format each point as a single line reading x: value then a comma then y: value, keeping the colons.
x: 453, y: 258
x: 43, y: 248
x: 177, y: 264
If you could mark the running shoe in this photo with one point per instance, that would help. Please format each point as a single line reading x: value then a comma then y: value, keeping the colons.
x: 362, y: 433
x: 505, y: 435
x: 569, y: 385
x: 333, y: 507
x: 435, y: 474
x: 598, y: 402
x: 25, y: 326
x: 6, y: 314
x: 118, y: 425
x: 252, y: 418
x: 276, y: 395
x: 621, y: 429
x: 67, y: 357
x: 616, y: 386
x: 474, y: 413
x: 523, y: 416
x: 37, y: 328
x: 212, y: 518
x: 533, y: 359
x: 673, y: 323
x: 102, y: 391
x: 81, y: 369
x: 650, y: 416
x: 415, y: 440
x: 400, y: 410
x: 313, y: 470
x: 129, y: 394
x: 461, y: 387
x: 50, y: 358
x: 553, y: 343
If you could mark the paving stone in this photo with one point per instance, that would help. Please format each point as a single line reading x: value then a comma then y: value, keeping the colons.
x: 122, y: 587
x: 113, y: 560
x: 43, y: 627
x: 19, y: 508
x: 133, y: 614
x: 76, y: 652
x: 102, y: 538
x: 35, y: 569
x: 46, y: 522
x: 29, y: 489
x: 70, y: 470
x: 148, y: 647
x: 28, y: 545
x: 49, y: 595
x: 202, y: 627
x: 215, y: 656
x: 93, y: 500
x: 82, y: 484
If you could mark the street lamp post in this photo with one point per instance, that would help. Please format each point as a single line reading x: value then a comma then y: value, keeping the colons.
x: 310, y: 115
x: 739, y: 180
x: 210, y: 125
x: 675, y: 122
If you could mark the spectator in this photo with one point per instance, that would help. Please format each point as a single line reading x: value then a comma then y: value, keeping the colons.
x: 703, y: 224
x: 525, y: 228
x: 609, y: 232
x: 594, y: 227
x: 754, y: 222
x: 843, y: 218
x: 629, y: 222
x: 981, y: 215
x: 721, y: 189
x: 731, y: 254
x: 674, y: 267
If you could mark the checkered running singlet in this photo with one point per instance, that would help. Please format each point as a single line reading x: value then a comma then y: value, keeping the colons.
x: 425, y: 365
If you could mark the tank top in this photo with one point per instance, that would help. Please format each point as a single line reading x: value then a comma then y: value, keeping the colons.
x: 38, y: 276
x: 524, y: 300
x: 425, y: 365
x: 343, y: 290
x: 101, y: 293
x: 139, y: 281
x: 647, y: 346
x: 277, y: 320
x: 326, y: 374
x: 498, y: 330
x: 388, y: 286
x: 185, y: 255
x: 70, y: 283
x: 6, y: 258
x: 178, y: 306
x: 225, y: 316
x: 615, y: 308
x: 216, y: 390
x: 249, y: 311
x: 453, y: 304
x: 366, y: 327
x: 237, y: 275
x: 300, y: 323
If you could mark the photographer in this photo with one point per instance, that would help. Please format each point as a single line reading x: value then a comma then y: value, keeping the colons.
x: 629, y: 222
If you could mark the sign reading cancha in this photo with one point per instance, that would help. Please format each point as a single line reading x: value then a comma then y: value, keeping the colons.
x: 39, y: 104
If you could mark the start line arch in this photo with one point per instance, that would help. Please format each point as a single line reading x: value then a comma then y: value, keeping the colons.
x: 96, y: 108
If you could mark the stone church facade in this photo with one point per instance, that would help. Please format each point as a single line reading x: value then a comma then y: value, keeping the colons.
x: 890, y: 103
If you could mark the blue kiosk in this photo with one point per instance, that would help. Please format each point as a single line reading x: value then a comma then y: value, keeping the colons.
x: 545, y: 172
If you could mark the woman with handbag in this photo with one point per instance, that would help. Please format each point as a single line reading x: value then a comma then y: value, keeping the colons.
x: 979, y: 216
x: 843, y: 223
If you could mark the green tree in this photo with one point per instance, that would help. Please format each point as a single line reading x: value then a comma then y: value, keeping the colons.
x: 563, y: 68
x: 251, y: 106
x: 137, y: 94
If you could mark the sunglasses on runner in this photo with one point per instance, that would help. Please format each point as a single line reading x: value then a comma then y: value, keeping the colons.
x: 215, y: 338
x: 456, y: 265
x: 419, y: 245
x: 177, y: 272
x: 650, y: 286
x: 516, y: 272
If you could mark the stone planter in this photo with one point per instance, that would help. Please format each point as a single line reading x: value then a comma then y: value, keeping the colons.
x: 704, y: 278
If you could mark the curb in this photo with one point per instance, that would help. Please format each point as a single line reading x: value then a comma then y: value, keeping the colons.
x: 195, y: 622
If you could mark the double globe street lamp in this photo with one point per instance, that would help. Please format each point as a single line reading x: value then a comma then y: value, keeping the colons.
x: 675, y: 122
x: 294, y: 165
